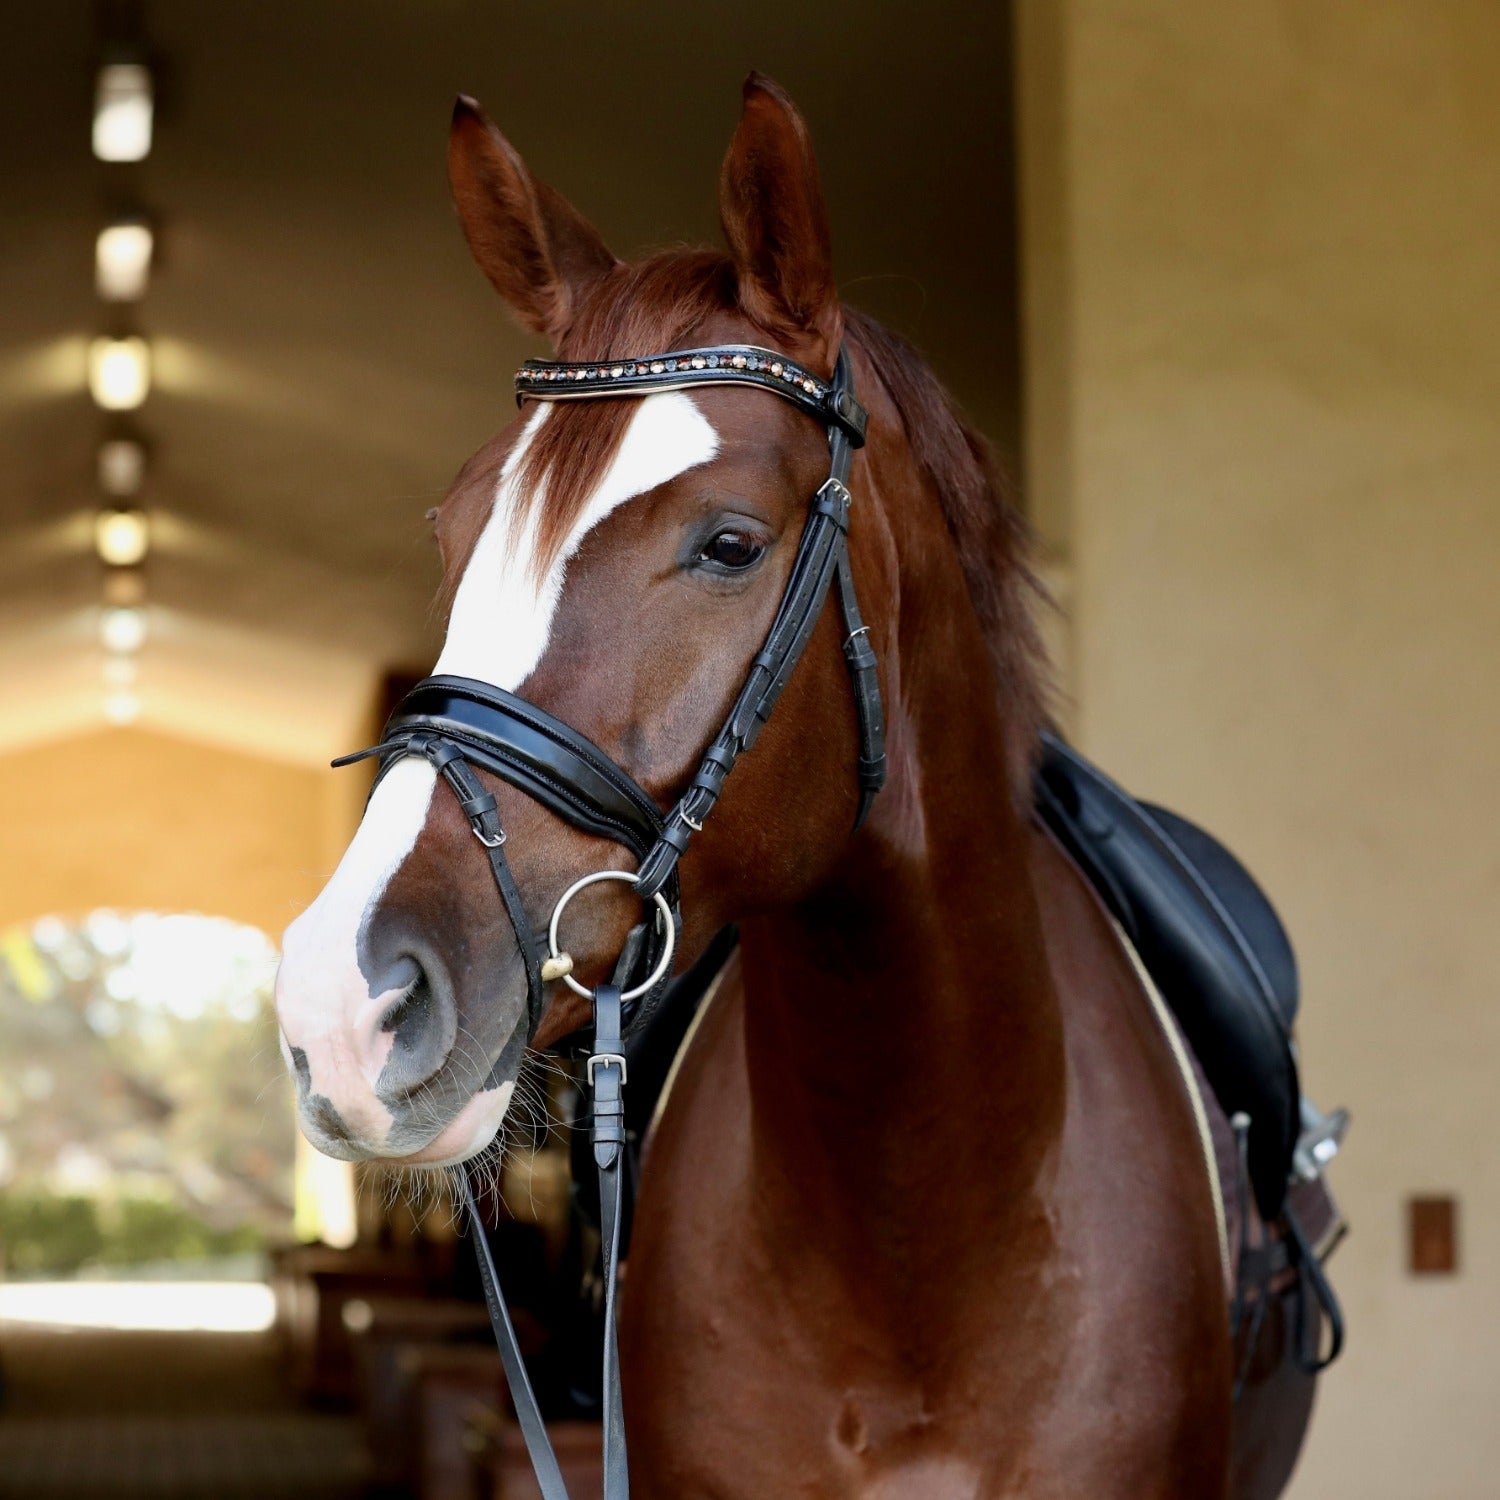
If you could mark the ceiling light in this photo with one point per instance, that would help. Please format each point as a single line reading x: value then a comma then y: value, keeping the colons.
x: 119, y: 372
x: 122, y: 261
x: 121, y: 707
x: 123, y: 629
x: 122, y: 112
x: 121, y: 536
x: 122, y: 466
x: 120, y: 671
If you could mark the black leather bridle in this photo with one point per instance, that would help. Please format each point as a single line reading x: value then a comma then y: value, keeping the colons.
x: 457, y: 724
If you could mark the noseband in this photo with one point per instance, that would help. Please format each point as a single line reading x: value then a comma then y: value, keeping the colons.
x: 458, y: 724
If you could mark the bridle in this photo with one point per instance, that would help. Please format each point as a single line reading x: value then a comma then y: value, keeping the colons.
x: 458, y: 723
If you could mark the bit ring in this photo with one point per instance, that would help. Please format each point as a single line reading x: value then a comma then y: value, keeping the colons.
x: 663, y: 920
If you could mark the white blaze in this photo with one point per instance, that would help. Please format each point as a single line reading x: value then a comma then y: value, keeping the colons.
x: 322, y: 996
x: 497, y: 632
x: 501, y: 619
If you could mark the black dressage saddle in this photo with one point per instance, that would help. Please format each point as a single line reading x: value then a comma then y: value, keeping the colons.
x: 1208, y: 937
x: 1203, y: 928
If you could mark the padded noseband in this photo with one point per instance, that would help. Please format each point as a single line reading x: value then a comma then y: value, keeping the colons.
x: 529, y: 748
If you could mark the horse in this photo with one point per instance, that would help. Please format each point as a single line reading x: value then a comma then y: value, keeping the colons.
x: 926, y: 1212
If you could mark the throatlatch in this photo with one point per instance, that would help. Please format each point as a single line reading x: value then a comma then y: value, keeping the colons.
x: 458, y: 723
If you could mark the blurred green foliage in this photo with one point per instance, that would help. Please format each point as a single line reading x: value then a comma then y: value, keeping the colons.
x: 39, y: 1232
x: 47, y: 1234
x: 145, y: 1114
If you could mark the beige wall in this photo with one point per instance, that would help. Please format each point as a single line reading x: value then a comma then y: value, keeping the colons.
x: 1263, y: 297
x: 140, y: 821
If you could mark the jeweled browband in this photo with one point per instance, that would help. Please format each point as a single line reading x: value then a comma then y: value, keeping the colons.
x: 723, y: 364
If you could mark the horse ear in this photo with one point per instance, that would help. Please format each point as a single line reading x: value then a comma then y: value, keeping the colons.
x: 539, y: 252
x: 775, y: 219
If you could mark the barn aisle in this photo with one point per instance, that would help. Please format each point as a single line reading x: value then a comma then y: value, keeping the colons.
x: 169, y: 1416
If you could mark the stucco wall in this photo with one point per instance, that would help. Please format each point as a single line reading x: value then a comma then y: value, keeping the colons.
x: 1263, y: 289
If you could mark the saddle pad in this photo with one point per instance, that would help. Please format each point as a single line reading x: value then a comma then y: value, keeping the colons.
x: 1196, y: 1097
x: 1208, y: 938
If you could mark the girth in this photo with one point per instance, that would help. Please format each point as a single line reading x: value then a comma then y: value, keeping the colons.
x: 457, y: 724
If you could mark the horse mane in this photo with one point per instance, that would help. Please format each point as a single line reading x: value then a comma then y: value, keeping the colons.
x: 991, y: 536
x: 653, y: 305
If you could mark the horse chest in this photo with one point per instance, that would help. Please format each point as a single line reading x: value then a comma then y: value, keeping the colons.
x: 752, y: 1367
x: 766, y: 1364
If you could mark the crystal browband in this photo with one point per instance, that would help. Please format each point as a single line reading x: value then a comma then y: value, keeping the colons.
x: 725, y: 364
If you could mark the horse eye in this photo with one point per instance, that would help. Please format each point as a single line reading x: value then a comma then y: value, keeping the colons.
x: 732, y: 550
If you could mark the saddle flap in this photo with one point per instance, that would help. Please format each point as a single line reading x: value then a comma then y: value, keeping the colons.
x: 1266, y: 941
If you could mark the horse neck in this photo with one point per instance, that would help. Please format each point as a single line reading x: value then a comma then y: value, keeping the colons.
x: 901, y: 1022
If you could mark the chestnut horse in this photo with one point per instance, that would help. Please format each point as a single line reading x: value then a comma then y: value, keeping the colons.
x: 927, y: 1212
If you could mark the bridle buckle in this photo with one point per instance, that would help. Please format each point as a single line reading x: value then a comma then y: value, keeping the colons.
x: 489, y: 840
x: 597, y: 1059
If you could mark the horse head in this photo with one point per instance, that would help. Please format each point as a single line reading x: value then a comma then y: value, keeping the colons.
x: 617, y: 563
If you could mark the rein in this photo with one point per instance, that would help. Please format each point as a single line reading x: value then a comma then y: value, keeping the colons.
x: 458, y: 723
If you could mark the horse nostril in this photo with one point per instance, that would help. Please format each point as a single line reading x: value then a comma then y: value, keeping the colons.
x: 422, y: 1024
x: 416, y: 996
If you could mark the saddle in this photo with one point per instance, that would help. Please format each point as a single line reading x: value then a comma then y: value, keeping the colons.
x: 1209, y: 939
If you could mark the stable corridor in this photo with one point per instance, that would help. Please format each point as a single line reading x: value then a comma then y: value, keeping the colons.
x: 169, y: 1416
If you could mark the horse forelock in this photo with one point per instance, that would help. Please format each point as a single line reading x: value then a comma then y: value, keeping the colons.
x: 643, y: 308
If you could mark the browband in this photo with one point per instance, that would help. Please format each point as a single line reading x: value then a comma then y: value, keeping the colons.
x: 830, y: 402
